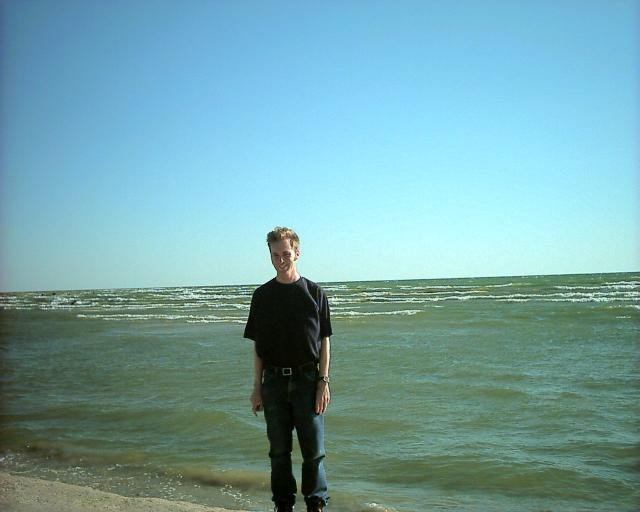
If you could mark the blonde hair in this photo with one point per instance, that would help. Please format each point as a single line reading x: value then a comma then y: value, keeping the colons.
x: 281, y: 233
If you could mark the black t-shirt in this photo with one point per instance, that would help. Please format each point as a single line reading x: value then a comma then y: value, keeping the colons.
x: 288, y: 322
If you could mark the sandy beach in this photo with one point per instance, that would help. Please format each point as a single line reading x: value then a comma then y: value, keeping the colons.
x: 23, y: 494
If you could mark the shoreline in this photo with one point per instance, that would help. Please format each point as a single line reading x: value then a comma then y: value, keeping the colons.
x: 26, y: 494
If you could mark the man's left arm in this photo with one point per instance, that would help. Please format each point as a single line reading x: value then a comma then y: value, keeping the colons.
x: 323, y: 393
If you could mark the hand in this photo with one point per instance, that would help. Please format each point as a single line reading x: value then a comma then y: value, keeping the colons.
x: 256, y: 401
x: 323, y: 397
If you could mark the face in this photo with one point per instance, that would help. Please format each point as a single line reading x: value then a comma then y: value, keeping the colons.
x: 283, y: 256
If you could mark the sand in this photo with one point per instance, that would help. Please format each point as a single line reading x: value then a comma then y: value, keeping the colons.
x: 23, y: 494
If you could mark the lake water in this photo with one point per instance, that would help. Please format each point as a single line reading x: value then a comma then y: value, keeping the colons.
x: 502, y: 394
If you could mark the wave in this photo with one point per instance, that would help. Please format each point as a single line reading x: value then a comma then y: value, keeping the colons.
x: 189, y: 318
x: 488, y: 474
x: 457, y: 286
x: 73, y: 454
x: 336, y: 302
x: 514, y: 297
x: 175, y: 302
x: 623, y: 284
x: 404, y: 312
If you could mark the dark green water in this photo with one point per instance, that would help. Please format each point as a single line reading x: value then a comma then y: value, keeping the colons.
x: 517, y: 393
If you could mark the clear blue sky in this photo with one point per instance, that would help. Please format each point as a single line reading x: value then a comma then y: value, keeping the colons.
x: 155, y: 143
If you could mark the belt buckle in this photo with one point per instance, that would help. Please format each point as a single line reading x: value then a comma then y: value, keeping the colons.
x: 287, y: 372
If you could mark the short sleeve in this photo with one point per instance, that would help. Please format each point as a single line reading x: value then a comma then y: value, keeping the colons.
x: 251, y: 329
x: 325, y: 316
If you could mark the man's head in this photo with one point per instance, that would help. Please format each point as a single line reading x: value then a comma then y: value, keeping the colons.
x: 281, y: 233
x: 283, y: 247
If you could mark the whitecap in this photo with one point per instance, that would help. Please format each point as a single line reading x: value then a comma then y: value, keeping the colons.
x: 403, y: 312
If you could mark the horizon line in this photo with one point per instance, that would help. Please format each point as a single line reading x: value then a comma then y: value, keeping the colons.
x: 326, y: 282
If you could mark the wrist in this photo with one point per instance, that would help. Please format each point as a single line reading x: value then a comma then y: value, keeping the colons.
x: 324, y: 379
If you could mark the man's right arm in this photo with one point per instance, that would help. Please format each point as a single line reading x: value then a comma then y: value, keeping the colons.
x: 256, y: 395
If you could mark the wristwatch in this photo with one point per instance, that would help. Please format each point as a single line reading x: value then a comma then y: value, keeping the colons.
x: 323, y: 378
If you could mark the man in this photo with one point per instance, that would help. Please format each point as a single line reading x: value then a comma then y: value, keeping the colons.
x: 290, y: 325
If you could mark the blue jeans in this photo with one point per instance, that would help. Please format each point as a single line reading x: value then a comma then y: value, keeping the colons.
x: 289, y: 401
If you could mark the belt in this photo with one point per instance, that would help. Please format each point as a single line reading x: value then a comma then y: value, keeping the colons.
x: 288, y: 371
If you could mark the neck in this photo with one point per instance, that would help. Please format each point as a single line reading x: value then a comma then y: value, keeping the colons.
x: 288, y: 278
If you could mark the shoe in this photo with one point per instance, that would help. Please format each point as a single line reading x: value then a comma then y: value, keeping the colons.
x: 283, y: 507
x: 315, y: 505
